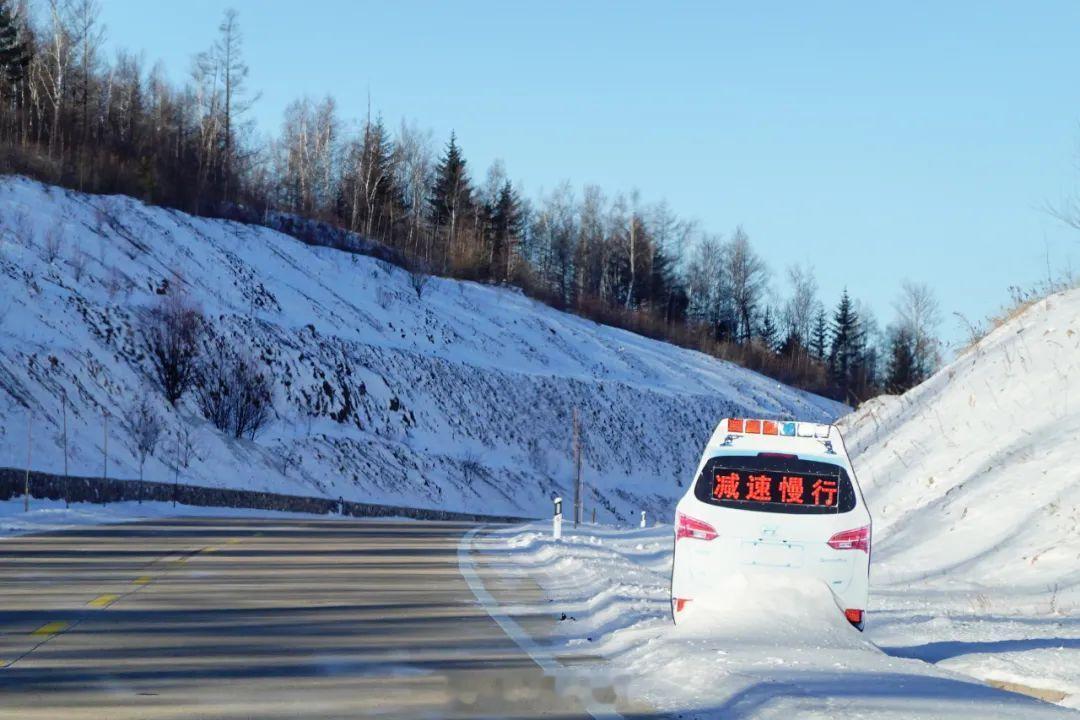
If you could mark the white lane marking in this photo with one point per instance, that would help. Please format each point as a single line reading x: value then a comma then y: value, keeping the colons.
x: 537, y: 653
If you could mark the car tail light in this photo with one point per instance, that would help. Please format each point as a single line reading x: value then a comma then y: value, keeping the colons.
x: 857, y: 539
x: 688, y: 527
x: 854, y: 616
x: 680, y: 604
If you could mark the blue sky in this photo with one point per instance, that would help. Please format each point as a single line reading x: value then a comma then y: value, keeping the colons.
x: 920, y: 141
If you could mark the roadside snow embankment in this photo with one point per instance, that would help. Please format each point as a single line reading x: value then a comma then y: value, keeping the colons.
x: 973, y: 481
x: 765, y: 649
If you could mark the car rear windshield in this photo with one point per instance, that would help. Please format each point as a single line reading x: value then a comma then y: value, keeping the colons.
x: 775, y: 484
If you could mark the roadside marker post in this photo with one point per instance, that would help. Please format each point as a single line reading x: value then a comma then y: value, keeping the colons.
x: 642, y: 518
x: 26, y: 480
x: 556, y: 520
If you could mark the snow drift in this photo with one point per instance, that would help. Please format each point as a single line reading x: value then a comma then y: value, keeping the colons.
x: 460, y: 399
x: 768, y: 649
x: 973, y: 477
x: 973, y: 481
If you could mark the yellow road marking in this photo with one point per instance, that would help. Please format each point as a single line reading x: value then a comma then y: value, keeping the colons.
x: 210, y: 549
x: 103, y: 601
x: 144, y: 580
x: 51, y: 628
x: 232, y: 541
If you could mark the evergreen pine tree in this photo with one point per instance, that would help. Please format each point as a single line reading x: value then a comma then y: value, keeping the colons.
x: 819, y: 336
x: 451, y: 197
x: 14, y: 51
x: 767, y: 331
x: 377, y: 181
x: 664, y: 292
x: 902, y: 373
x: 792, y: 346
x: 507, y: 223
x: 845, y: 355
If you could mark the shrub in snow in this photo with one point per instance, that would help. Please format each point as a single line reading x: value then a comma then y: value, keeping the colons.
x: 172, y: 332
x: 233, y: 392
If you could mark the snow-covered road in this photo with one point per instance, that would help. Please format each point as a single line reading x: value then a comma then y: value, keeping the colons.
x: 781, y: 649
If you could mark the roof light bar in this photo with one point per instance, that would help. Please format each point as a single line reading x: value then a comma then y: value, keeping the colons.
x: 785, y: 428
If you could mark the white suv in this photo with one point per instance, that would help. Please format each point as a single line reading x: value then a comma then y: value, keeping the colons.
x: 773, y: 497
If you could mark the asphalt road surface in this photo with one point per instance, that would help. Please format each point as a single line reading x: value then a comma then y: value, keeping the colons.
x: 231, y: 618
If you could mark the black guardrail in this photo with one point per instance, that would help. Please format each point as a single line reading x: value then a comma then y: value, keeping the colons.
x: 101, y: 490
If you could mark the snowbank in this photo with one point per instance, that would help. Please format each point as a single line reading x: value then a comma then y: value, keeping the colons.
x: 763, y: 650
x: 973, y: 482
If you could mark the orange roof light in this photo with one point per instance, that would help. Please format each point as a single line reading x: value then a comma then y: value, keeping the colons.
x: 735, y: 425
x: 753, y: 426
x: 768, y: 427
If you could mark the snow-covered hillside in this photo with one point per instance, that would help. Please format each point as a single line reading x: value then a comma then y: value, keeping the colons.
x: 973, y: 480
x: 974, y: 476
x: 460, y: 400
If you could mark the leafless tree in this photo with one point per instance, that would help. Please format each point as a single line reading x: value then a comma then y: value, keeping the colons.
x: 418, y: 280
x: 307, y: 154
x: 186, y: 450
x: 55, y: 62
x: 747, y: 274
x: 633, y: 233
x: 220, y: 77
x: 143, y: 428
x: 86, y: 36
x: 22, y: 227
x: 53, y: 243
x: 919, y: 313
x: 706, y: 281
x: 172, y: 332
x: 233, y: 72
x: 802, y: 304
x: 414, y: 164
x: 186, y: 447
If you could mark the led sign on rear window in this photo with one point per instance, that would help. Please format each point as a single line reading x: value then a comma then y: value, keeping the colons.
x: 775, y: 483
x: 774, y: 487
